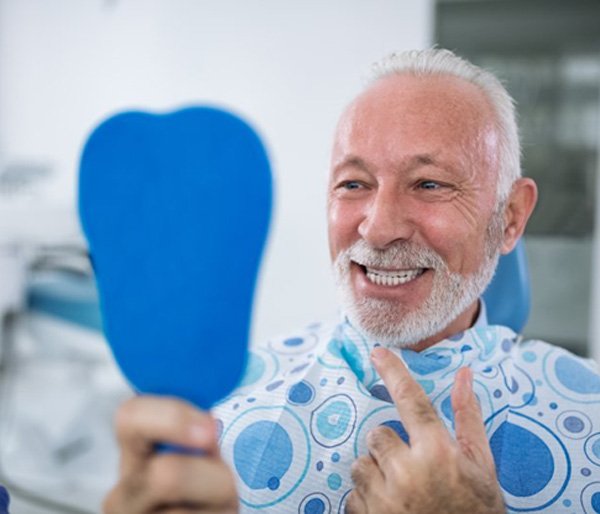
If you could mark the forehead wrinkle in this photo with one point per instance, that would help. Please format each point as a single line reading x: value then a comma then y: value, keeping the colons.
x: 352, y: 161
x: 407, y: 164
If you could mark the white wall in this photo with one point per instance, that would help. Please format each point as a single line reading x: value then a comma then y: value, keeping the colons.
x: 289, y: 66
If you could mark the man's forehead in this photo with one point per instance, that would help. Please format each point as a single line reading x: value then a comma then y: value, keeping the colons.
x: 427, y: 111
x: 424, y: 96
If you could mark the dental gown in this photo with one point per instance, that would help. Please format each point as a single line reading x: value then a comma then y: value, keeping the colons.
x: 299, y: 419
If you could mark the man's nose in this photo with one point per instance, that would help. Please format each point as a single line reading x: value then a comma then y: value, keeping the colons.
x: 387, y: 219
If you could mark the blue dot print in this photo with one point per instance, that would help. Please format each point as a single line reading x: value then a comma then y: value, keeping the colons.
x: 334, y: 481
x: 333, y: 421
x: 596, y: 448
x: 573, y: 424
x: 262, y: 454
x: 301, y: 393
x: 576, y: 377
x: 293, y: 341
x: 314, y: 506
x: 596, y: 502
x: 315, y: 503
x: 517, y: 478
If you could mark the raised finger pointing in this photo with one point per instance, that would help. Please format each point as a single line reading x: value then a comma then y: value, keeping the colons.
x: 416, y: 412
x: 470, y: 429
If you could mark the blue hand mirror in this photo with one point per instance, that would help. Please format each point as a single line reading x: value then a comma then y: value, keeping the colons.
x: 176, y: 208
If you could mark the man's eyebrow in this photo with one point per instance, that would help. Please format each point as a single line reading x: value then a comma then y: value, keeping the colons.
x: 411, y: 163
x: 428, y: 159
x: 352, y: 161
x: 423, y: 159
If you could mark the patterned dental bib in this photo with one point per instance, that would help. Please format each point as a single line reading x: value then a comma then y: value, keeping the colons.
x: 293, y: 428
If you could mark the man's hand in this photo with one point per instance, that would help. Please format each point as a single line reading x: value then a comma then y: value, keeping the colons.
x: 435, y: 474
x: 167, y: 482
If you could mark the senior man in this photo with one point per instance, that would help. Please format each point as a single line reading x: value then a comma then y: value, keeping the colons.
x: 412, y: 403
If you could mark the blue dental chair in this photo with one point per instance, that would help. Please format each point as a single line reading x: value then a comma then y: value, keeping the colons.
x: 508, y: 297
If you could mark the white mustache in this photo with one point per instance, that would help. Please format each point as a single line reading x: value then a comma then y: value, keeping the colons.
x: 401, y: 255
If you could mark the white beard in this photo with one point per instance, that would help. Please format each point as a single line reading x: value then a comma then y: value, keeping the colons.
x: 391, y: 323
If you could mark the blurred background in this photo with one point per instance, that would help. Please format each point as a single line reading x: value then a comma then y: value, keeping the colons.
x: 290, y: 68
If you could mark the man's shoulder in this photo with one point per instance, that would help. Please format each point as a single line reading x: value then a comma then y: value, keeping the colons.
x: 571, y: 376
x: 269, y: 363
x: 303, y: 340
x: 531, y: 350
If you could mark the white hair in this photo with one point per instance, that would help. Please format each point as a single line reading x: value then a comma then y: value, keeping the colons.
x: 438, y: 61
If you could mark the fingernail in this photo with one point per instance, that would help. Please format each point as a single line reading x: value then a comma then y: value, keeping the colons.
x: 467, y: 383
x: 469, y: 377
x: 379, y: 353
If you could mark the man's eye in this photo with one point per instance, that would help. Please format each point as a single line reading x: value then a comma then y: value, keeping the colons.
x: 350, y: 185
x: 429, y: 184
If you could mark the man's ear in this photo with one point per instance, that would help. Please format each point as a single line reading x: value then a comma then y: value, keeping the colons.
x: 519, y: 206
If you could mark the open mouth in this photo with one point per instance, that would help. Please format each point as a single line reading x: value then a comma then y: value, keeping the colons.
x: 391, y: 278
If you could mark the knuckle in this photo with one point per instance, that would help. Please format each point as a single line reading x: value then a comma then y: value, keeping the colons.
x: 164, y: 476
x: 424, y: 411
x: 352, y: 503
x: 125, y: 415
x: 440, y: 451
x: 178, y: 418
x: 381, y: 440
x: 381, y: 434
x: 357, y: 469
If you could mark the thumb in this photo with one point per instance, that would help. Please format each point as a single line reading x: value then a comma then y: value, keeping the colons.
x: 468, y: 421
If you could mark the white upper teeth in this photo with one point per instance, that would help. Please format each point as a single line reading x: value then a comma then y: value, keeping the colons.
x: 393, y: 278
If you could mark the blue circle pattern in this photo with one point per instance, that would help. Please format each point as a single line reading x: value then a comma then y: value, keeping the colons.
x: 301, y: 393
x: 333, y: 422
x: 315, y: 506
x: 592, y: 448
x: 576, y: 377
x: 596, y: 502
x: 315, y: 503
x: 309, y: 421
x: 271, y: 451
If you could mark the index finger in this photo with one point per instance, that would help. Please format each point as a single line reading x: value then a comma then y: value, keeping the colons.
x: 470, y: 428
x: 416, y: 412
x: 145, y: 421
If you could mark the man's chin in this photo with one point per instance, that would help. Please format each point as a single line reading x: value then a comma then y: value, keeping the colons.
x: 388, y: 323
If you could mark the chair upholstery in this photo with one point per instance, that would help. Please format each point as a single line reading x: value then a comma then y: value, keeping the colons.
x: 508, y: 296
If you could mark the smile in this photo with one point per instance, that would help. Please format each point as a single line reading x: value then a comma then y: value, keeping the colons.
x: 392, y: 277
